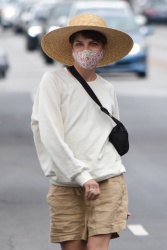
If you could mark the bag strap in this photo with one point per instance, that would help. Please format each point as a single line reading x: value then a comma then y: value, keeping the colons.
x: 88, y: 89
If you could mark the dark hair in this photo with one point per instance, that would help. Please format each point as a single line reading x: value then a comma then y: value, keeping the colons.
x: 95, y: 35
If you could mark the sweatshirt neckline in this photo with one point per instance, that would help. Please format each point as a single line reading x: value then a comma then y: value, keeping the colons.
x: 89, y: 82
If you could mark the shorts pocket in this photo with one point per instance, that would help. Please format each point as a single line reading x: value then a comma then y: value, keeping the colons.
x: 58, y: 195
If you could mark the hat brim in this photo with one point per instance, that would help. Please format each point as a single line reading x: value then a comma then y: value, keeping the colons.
x: 56, y: 44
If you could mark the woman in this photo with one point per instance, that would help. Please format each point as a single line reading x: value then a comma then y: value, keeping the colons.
x: 87, y: 195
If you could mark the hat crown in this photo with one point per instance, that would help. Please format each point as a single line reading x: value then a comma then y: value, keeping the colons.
x: 87, y: 20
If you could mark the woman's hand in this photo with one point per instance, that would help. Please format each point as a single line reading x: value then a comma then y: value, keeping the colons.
x: 92, y: 190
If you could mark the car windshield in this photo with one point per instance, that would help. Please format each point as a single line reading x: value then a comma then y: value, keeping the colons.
x: 60, y: 10
x: 42, y: 11
x: 115, y: 18
x: 101, y: 12
x: 124, y: 23
x: 159, y: 4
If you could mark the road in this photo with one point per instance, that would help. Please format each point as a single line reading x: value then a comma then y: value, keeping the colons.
x: 24, y: 215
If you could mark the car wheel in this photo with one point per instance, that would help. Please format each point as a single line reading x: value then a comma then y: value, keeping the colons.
x: 142, y: 74
x: 48, y: 60
x: 17, y: 29
x: 31, y: 45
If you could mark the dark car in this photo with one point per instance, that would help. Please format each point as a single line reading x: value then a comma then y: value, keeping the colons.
x: 4, y: 63
x: 39, y: 16
x: 57, y: 18
x: 24, y: 15
x: 155, y: 11
x: 47, y: 16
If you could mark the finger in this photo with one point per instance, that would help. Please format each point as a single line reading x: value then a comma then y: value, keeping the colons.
x: 93, y: 193
x: 87, y: 188
x: 128, y: 215
x: 92, y: 190
x: 89, y: 192
x: 89, y: 195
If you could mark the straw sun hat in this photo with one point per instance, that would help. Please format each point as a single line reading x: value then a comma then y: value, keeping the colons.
x: 57, y: 46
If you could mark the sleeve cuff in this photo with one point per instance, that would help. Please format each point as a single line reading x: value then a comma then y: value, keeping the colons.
x: 83, y: 177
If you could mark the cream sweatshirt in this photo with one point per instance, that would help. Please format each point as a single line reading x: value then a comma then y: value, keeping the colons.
x: 71, y: 132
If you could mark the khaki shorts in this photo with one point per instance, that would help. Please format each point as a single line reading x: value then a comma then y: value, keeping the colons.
x: 73, y: 218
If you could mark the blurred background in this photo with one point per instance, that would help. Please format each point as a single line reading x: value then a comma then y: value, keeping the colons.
x: 140, y: 81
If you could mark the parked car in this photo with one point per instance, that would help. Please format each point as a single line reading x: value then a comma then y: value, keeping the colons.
x: 9, y: 11
x: 23, y: 16
x: 40, y: 14
x: 155, y: 11
x: 119, y: 15
x: 4, y: 63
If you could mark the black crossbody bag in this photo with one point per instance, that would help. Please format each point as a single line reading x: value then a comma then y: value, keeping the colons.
x: 119, y: 135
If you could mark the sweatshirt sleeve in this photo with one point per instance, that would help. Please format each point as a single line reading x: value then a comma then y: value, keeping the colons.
x: 47, y: 116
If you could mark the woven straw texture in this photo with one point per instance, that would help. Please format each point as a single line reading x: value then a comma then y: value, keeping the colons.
x: 56, y: 43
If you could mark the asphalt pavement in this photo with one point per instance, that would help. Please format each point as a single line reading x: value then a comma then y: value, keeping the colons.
x: 24, y: 214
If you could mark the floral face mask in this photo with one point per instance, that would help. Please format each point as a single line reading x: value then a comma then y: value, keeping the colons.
x: 87, y: 59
